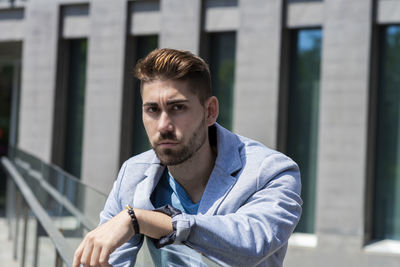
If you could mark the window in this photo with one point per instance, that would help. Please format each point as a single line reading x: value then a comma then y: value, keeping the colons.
x: 221, y: 57
x: 302, y: 116
x: 144, y: 45
x: 386, y: 219
x: 6, y: 79
x: 75, y: 97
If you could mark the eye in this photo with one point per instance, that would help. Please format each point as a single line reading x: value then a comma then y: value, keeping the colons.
x: 151, y: 109
x: 178, y: 107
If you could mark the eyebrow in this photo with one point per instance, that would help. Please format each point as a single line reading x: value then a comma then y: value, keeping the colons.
x: 150, y: 104
x: 176, y: 101
x: 169, y: 102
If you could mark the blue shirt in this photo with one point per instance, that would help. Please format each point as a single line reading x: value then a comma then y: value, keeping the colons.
x: 169, y: 191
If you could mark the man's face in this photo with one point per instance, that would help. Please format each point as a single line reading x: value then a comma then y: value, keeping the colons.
x: 174, y: 120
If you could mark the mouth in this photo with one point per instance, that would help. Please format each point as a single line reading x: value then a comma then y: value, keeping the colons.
x: 167, y: 144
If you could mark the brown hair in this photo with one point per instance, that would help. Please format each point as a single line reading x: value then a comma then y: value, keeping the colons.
x: 171, y: 64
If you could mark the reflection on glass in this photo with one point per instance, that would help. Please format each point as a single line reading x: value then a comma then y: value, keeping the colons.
x: 386, y: 223
x: 222, y: 48
x: 75, y: 106
x: 303, y: 105
x: 144, y: 45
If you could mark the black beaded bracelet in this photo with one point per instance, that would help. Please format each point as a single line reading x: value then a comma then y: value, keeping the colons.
x: 133, y: 219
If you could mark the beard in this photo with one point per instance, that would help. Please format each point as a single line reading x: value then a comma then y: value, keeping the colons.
x: 171, y: 157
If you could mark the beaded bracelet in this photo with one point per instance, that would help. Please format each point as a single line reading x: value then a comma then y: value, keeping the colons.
x: 133, y: 218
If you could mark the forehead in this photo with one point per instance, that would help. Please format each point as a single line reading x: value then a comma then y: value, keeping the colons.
x: 169, y: 89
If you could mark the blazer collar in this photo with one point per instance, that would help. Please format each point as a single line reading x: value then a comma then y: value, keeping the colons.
x: 229, y: 146
x: 222, y: 178
x: 145, y: 188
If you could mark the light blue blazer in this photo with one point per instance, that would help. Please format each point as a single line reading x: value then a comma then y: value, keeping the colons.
x: 248, y: 210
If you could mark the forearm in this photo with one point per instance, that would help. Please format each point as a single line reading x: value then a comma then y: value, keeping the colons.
x: 153, y: 224
x: 236, y: 240
x: 106, y: 238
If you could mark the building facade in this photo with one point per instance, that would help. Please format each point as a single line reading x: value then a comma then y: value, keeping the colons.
x: 317, y: 80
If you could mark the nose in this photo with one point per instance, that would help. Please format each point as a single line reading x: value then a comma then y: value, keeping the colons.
x: 165, y: 123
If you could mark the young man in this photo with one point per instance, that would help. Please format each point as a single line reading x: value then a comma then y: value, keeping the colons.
x: 228, y: 197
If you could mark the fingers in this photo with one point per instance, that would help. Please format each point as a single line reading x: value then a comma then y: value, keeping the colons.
x: 87, y: 254
x: 98, y: 244
x: 104, y: 256
x: 77, y: 256
x: 94, y: 250
x: 94, y: 259
x: 91, y: 255
x: 94, y: 256
x: 100, y: 256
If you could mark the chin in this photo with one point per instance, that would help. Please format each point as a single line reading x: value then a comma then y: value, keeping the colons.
x: 172, y: 159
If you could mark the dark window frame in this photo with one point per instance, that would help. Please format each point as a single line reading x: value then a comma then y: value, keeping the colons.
x: 377, y: 87
x: 287, y: 80
x: 208, y: 54
x: 131, y: 100
x: 61, y: 104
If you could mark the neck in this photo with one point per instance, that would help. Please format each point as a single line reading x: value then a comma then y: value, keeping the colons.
x: 194, y: 173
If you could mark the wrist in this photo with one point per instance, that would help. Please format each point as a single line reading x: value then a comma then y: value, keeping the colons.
x: 153, y: 224
x: 133, y: 219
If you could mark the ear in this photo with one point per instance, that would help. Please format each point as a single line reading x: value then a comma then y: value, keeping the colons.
x: 212, y: 110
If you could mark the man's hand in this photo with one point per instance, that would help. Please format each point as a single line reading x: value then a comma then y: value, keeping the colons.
x: 98, y: 244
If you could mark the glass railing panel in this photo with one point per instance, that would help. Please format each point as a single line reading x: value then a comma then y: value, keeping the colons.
x: 74, y: 208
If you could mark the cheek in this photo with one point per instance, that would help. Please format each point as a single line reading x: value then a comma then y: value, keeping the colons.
x: 187, y: 128
x: 148, y: 126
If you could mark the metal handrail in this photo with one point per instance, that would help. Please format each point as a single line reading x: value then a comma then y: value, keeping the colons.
x: 56, y: 195
x: 26, y: 158
x: 63, y: 248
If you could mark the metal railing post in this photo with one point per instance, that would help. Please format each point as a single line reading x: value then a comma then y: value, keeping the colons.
x: 59, y: 261
x: 18, y: 199
x: 10, y: 205
x: 26, y: 214
x: 36, y: 248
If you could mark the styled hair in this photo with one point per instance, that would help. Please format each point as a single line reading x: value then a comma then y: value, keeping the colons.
x: 171, y: 64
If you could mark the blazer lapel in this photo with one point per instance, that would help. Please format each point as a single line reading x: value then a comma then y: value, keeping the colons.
x: 144, y: 189
x: 221, y: 180
x: 217, y: 188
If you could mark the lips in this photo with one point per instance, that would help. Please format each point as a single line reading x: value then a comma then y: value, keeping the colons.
x: 167, y: 144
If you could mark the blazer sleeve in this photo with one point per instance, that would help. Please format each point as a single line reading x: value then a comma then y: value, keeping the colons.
x: 126, y: 254
x: 261, y: 226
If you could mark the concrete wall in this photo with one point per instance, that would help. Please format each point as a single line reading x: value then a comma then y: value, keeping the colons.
x: 257, y: 70
x: 180, y: 24
x: 38, y: 78
x: 104, y: 88
x: 343, y: 118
